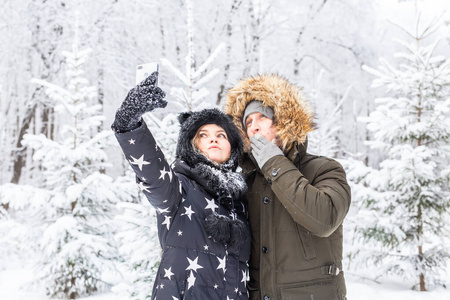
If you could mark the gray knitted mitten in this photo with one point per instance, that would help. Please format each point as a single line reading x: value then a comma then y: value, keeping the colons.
x: 143, y: 98
x: 263, y: 149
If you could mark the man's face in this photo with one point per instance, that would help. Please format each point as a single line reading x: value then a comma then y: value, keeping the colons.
x: 259, y: 123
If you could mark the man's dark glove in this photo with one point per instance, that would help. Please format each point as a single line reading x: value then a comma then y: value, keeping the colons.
x: 143, y: 98
x: 263, y: 149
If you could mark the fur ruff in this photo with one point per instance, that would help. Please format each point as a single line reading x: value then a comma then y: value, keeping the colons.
x: 293, y: 116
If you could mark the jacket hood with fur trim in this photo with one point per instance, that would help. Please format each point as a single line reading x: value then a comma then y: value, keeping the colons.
x: 293, y: 116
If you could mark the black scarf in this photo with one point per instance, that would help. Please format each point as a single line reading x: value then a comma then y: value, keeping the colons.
x: 227, y: 187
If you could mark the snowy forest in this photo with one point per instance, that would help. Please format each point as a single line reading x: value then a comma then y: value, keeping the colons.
x: 73, y: 222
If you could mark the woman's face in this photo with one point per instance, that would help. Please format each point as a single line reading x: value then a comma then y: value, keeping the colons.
x: 212, y: 141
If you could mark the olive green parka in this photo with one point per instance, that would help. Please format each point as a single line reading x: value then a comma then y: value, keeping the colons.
x: 296, y: 202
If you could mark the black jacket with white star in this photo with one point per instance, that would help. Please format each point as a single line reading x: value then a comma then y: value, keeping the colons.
x: 193, y: 265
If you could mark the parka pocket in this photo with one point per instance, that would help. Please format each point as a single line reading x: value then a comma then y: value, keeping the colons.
x: 324, y: 290
x: 306, y: 242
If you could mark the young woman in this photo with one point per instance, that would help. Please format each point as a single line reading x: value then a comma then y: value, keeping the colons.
x: 202, y: 225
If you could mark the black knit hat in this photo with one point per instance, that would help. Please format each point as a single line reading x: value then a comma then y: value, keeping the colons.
x: 190, y: 122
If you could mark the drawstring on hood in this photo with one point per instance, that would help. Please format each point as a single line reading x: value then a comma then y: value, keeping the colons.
x: 221, y: 181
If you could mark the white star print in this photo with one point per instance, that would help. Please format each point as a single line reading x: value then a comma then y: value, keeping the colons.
x: 244, y: 277
x: 161, y: 286
x: 131, y: 141
x: 162, y: 211
x: 189, y: 212
x: 211, y: 205
x: 222, y: 263
x: 193, y: 265
x: 191, y: 280
x: 174, y: 298
x: 139, y: 161
x: 143, y: 188
x: 236, y: 290
x: 180, y: 233
x: 216, y: 286
x: 166, y: 222
x: 206, y: 247
x: 164, y: 173
x: 168, y: 273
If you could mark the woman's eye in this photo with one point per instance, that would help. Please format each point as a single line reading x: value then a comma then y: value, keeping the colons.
x: 202, y: 135
x: 222, y: 136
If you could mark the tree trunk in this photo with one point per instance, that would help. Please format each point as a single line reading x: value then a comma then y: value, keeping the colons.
x: 234, y: 7
x: 298, y: 57
x: 421, y: 276
x: 20, y: 152
x: 45, y: 53
x: 48, y: 124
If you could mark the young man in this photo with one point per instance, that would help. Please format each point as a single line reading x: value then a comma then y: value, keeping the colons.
x: 296, y: 201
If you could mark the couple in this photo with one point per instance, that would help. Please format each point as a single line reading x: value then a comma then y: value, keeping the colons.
x: 295, y: 202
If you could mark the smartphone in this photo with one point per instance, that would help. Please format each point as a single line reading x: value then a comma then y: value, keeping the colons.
x: 145, y: 70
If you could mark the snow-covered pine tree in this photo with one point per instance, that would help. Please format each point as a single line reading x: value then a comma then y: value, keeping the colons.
x: 77, y: 240
x: 323, y: 140
x: 140, y: 248
x: 191, y: 96
x: 404, y: 204
x: 19, y: 227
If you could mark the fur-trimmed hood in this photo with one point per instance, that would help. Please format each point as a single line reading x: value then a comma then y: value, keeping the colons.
x: 293, y: 116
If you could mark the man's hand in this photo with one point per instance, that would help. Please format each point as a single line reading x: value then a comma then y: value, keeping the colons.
x: 143, y: 98
x: 263, y: 149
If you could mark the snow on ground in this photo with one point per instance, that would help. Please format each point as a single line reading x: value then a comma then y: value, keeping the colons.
x: 13, y: 286
x: 388, y: 289
x: 11, y: 282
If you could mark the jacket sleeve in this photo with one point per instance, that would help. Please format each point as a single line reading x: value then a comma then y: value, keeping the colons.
x: 154, y: 176
x: 319, y: 206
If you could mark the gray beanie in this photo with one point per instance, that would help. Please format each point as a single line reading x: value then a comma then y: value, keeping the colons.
x: 257, y: 106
